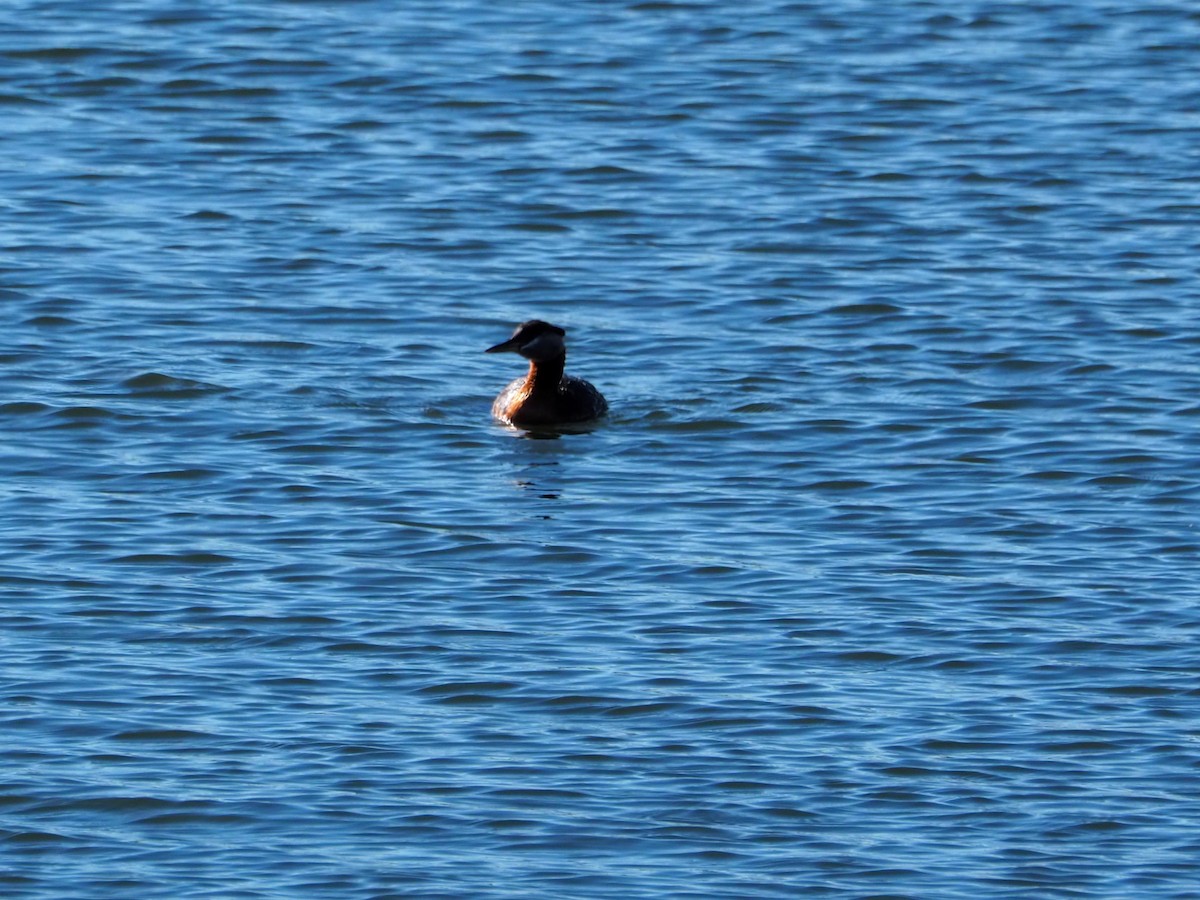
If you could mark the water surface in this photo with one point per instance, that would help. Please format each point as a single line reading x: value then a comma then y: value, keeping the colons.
x: 879, y: 581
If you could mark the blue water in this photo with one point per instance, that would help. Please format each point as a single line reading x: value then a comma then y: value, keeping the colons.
x: 880, y: 580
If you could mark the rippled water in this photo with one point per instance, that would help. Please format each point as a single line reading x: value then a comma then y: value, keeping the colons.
x: 880, y: 580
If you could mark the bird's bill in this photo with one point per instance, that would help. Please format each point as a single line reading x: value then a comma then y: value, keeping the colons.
x: 509, y: 346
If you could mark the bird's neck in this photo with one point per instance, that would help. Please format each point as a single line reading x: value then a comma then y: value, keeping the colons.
x: 544, y: 375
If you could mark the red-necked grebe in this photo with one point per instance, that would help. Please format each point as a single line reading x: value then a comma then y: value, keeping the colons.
x: 545, y: 396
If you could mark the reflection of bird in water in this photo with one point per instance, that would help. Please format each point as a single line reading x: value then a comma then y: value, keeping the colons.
x: 545, y: 396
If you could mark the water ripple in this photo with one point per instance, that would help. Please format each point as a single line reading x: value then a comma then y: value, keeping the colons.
x: 876, y: 582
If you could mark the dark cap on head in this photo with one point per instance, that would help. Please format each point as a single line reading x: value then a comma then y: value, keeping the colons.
x: 526, y: 333
x: 535, y: 327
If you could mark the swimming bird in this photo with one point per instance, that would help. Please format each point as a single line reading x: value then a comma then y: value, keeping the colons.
x: 545, y: 396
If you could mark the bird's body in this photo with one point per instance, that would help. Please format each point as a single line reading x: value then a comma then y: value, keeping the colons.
x: 545, y: 396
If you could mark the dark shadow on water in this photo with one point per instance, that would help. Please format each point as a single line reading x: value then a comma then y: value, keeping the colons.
x: 533, y: 486
x: 554, y: 432
x: 540, y: 493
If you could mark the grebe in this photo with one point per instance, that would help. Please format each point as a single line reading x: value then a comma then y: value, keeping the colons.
x: 545, y: 396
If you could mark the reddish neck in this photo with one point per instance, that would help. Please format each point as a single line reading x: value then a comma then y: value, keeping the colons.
x: 545, y: 375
